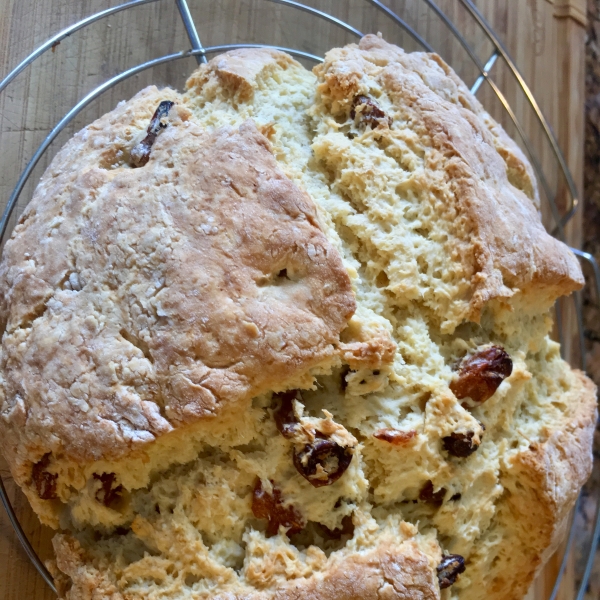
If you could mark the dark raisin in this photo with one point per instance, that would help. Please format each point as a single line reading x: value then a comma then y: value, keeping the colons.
x: 271, y: 508
x: 449, y: 569
x: 428, y: 495
x: 107, y: 494
x: 368, y: 112
x: 460, y: 444
x: 456, y: 497
x: 480, y: 375
x: 347, y: 528
x: 140, y: 154
x: 396, y: 437
x: 45, y: 482
x: 323, y: 462
x: 283, y: 413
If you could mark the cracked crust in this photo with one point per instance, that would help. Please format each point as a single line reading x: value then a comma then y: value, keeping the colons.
x: 388, y: 571
x: 481, y: 177
x: 139, y: 300
x: 237, y: 73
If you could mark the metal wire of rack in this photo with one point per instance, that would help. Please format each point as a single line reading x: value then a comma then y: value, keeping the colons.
x: 561, y: 215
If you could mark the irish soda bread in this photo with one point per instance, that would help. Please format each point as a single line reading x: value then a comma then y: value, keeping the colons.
x: 285, y: 336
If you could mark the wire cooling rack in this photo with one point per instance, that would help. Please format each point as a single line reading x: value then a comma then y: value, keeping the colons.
x: 402, y: 21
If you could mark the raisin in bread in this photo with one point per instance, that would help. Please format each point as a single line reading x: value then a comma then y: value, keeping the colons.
x: 286, y: 336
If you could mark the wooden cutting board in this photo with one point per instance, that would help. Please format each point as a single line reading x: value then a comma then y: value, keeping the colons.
x: 546, y: 39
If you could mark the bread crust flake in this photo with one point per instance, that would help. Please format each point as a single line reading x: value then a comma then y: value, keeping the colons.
x: 163, y: 293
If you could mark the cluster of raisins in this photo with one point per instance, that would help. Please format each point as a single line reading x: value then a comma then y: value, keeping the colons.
x: 478, y: 378
x: 321, y: 461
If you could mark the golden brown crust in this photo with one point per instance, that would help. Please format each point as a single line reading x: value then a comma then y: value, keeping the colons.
x: 369, y: 354
x: 496, y: 227
x: 389, y: 571
x: 236, y: 72
x: 162, y: 292
x: 541, y: 485
x: 82, y: 582
x: 518, y: 169
x: 386, y: 573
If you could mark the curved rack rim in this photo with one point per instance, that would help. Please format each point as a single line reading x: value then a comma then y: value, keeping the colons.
x: 53, y: 41
x: 476, y: 14
x: 31, y: 553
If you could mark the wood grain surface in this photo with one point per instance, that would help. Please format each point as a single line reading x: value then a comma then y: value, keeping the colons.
x: 545, y: 38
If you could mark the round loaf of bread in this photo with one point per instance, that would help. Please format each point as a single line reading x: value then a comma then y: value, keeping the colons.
x: 286, y: 336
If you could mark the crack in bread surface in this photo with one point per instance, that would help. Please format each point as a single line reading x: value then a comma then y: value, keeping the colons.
x: 403, y: 203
